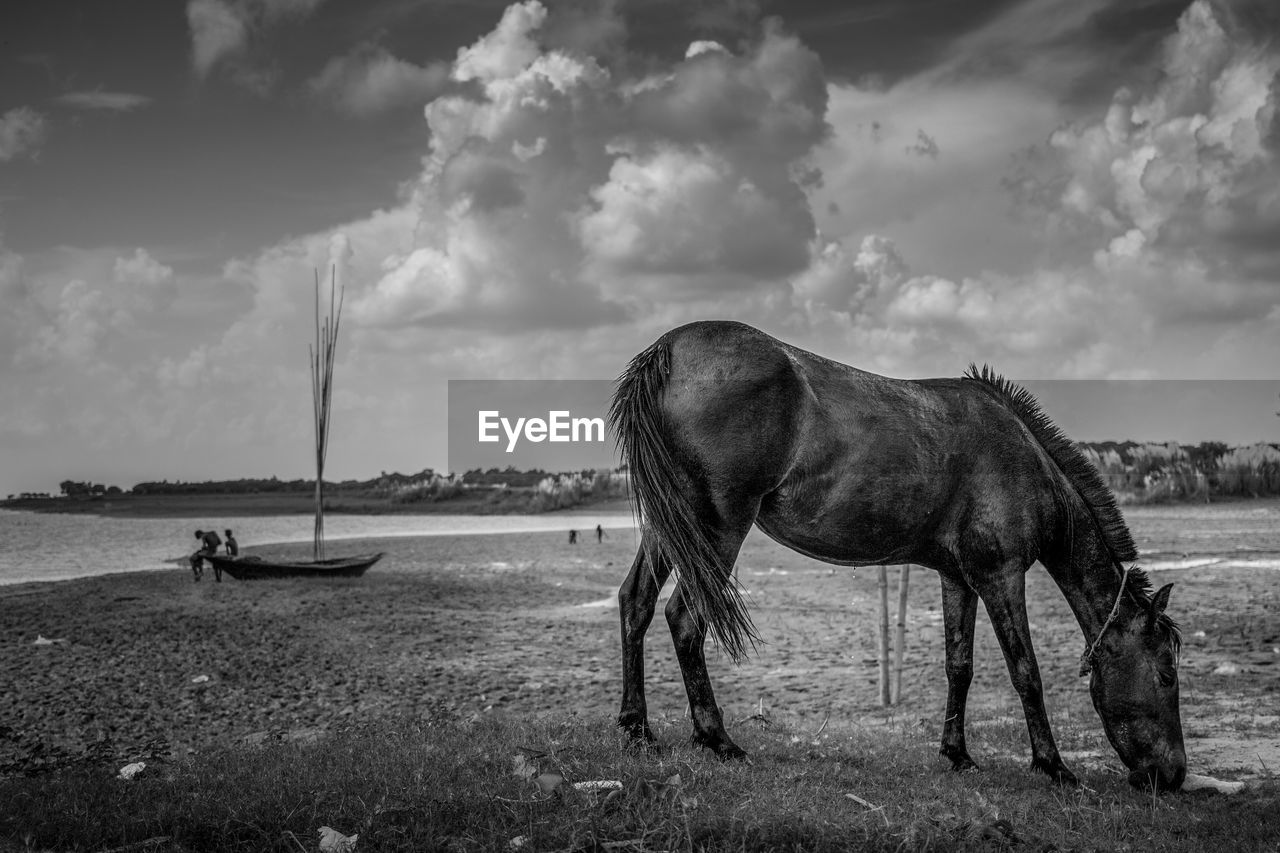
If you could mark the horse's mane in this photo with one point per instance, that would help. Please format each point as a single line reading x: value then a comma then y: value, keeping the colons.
x: 1079, y: 471
x: 1083, y: 477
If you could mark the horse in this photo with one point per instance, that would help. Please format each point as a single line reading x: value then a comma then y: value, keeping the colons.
x: 723, y: 426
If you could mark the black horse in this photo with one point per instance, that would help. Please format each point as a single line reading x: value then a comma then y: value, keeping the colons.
x: 723, y: 426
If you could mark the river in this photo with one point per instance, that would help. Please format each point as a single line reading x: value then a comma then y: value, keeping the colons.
x: 52, y: 546
x: 56, y: 546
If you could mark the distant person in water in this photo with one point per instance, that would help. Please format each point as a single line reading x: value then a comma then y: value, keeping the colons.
x: 573, y: 537
x: 209, y: 544
x: 599, y: 533
x: 233, y: 547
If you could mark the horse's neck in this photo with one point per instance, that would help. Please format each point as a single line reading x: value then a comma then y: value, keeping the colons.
x: 1085, y: 571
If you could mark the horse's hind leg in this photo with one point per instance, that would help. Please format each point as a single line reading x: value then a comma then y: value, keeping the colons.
x: 689, y: 636
x: 637, y: 598
x: 959, y: 607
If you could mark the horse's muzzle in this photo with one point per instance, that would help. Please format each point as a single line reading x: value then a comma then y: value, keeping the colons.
x: 1164, y: 778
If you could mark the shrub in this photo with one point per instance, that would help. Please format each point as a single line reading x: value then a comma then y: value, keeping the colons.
x: 430, y: 488
x: 1249, y: 471
x: 566, y: 490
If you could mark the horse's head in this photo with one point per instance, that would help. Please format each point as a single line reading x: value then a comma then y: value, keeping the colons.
x: 1134, y: 685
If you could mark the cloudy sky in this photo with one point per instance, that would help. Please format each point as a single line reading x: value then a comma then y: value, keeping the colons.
x: 1062, y: 188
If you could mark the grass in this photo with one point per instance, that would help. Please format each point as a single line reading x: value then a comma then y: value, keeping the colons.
x: 461, y: 783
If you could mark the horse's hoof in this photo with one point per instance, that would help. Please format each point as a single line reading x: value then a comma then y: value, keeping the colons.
x: 725, y: 750
x: 1057, y: 772
x: 637, y: 731
x: 964, y: 765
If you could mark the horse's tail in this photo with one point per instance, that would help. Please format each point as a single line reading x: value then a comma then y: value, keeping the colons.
x: 676, y: 531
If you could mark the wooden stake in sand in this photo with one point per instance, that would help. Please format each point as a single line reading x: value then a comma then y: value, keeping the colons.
x: 891, y: 688
x: 900, y: 638
x: 883, y: 583
x: 322, y: 359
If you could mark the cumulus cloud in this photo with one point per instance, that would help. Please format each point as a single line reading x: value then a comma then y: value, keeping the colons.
x: 675, y: 216
x: 14, y: 298
x: 505, y: 52
x: 1157, y: 251
x: 1176, y: 190
x: 837, y: 280
x: 143, y: 269
x: 89, y: 306
x: 218, y: 29
x: 99, y: 100
x: 370, y: 80
x: 222, y: 32
x: 1188, y: 162
x: 22, y: 131
x: 568, y: 197
x: 81, y: 320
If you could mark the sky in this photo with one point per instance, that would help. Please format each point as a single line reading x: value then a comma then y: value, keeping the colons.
x: 1064, y: 189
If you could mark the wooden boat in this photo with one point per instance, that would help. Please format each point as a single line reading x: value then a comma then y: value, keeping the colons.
x: 253, y: 567
x: 256, y: 568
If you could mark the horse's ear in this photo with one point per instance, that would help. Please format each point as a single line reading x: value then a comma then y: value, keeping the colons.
x: 1159, y: 601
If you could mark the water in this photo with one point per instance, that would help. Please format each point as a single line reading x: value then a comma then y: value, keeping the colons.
x: 1189, y: 537
x: 44, y: 547
x: 53, y: 546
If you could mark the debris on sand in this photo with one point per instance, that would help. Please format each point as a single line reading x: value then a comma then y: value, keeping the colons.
x: 1197, y: 782
x: 131, y: 770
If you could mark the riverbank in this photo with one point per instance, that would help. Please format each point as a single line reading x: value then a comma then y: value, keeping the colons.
x: 524, y: 624
x: 480, y: 502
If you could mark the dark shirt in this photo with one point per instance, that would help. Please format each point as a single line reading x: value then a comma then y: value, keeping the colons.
x: 209, y: 542
x: 233, y: 548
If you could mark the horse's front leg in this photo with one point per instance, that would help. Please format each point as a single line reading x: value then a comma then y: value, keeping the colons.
x: 959, y: 607
x: 1005, y: 598
x: 689, y: 637
x: 637, y: 598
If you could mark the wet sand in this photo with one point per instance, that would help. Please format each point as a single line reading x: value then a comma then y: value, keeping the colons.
x: 524, y: 624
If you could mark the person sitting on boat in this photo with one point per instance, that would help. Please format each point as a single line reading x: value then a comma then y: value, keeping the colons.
x: 233, y: 547
x: 209, y: 544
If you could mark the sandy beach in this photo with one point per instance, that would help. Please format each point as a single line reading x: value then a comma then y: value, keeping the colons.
x: 524, y: 624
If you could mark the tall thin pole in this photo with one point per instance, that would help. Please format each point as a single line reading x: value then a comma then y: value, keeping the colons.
x: 883, y: 583
x: 900, y: 638
x: 322, y: 361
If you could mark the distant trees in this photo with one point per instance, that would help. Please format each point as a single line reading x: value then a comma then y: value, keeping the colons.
x: 509, y: 476
x: 76, y: 489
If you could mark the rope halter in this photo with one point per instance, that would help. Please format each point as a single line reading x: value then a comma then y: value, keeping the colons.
x: 1091, y: 653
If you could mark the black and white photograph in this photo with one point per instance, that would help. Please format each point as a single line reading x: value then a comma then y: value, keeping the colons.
x: 639, y: 425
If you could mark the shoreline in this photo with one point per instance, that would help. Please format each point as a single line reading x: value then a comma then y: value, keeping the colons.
x: 265, y: 504
x: 278, y: 504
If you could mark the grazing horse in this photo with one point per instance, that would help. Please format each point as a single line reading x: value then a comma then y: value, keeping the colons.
x: 723, y: 426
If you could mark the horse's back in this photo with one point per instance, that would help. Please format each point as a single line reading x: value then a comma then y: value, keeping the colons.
x: 850, y: 466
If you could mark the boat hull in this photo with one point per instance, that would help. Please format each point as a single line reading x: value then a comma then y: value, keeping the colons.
x: 255, y: 568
